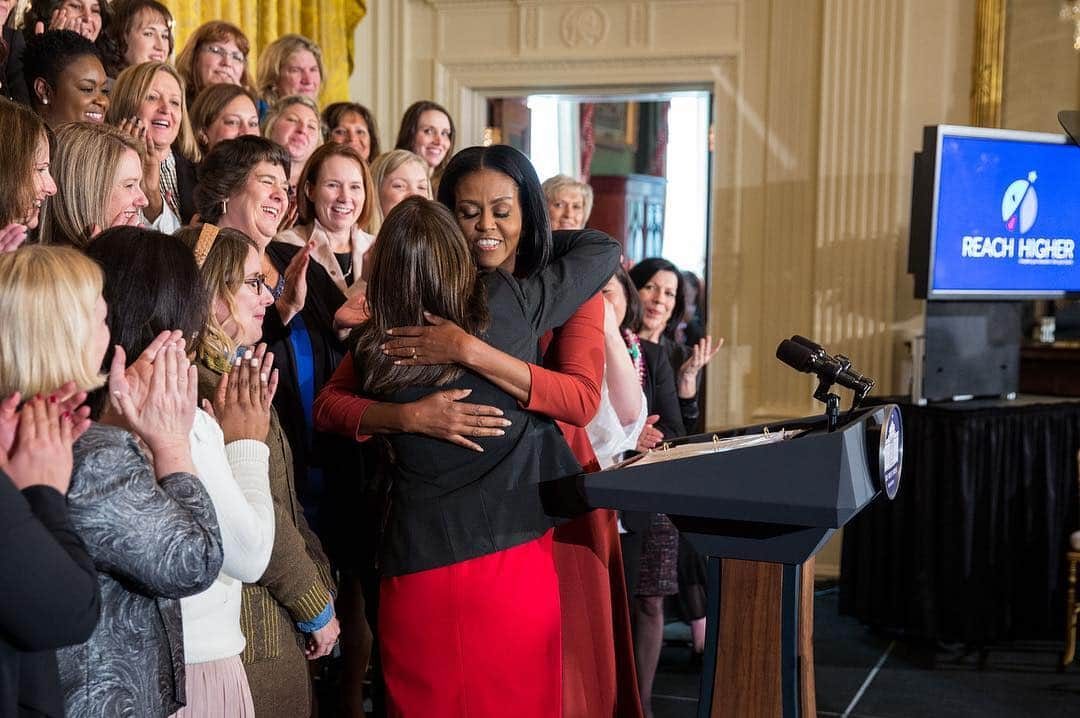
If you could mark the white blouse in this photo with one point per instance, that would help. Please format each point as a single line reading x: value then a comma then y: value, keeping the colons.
x: 237, y: 477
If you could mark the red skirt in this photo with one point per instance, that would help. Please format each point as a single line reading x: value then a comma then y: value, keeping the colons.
x: 474, y: 639
x: 599, y: 677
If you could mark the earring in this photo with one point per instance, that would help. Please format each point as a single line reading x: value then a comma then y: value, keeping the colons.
x: 225, y: 205
x: 44, y: 100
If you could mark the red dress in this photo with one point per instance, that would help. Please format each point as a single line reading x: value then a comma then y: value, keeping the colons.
x: 599, y: 675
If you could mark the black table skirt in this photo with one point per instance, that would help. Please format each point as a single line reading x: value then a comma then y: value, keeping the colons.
x: 973, y: 547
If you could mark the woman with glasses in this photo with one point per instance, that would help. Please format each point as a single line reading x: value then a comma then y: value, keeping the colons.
x: 216, y: 53
x: 290, y: 605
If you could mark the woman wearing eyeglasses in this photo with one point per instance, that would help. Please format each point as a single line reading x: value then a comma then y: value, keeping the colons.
x: 216, y: 53
x: 291, y: 604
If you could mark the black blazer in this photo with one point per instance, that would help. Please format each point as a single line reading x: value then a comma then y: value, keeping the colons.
x: 50, y: 597
x: 450, y: 504
x: 185, y: 186
x: 661, y: 395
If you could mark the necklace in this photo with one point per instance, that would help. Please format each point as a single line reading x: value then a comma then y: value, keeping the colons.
x: 633, y: 346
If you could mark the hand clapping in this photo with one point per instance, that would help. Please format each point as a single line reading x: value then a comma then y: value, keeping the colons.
x: 244, y: 396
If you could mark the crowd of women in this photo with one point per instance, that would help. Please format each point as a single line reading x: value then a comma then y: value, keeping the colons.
x: 213, y: 292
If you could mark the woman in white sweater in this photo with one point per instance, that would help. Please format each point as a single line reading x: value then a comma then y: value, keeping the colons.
x: 153, y: 284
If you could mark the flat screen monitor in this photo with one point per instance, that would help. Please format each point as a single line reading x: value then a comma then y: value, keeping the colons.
x: 995, y: 215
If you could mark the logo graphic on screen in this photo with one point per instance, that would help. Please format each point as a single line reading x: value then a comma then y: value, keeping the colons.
x: 1020, y: 205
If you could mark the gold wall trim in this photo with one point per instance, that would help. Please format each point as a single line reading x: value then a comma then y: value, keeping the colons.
x: 988, y: 63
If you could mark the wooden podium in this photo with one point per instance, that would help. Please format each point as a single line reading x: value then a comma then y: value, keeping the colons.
x: 760, y: 514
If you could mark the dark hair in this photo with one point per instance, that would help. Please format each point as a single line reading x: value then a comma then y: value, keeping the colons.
x: 420, y: 262
x: 151, y: 285
x: 335, y: 113
x: 42, y: 11
x: 632, y: 319
x: 534, y: 245
x: 227, y: 165
x: 113, y: 42
x: 644, y: 270
x: 46, y: 55
x: 410, y: 125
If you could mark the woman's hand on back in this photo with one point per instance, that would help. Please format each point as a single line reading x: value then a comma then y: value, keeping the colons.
x: 443, y: 415
x: 441, y: 341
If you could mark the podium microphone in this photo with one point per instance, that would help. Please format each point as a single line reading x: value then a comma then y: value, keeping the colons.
x: 809, y: 357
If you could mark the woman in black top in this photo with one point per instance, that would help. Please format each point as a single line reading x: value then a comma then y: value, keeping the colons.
x: 468, y: 545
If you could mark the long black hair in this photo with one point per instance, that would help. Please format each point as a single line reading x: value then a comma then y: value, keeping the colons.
x: 534, y: 246
x: 644, y: 270
x: 151, y: 285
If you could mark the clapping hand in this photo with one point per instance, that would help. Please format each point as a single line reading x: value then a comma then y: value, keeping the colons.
x: 40, y: 449
x: 294, y: 297
x: 12, y: 237
x: 244, y: 396
x: 159, y: 408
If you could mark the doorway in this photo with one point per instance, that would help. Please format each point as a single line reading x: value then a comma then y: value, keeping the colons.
x: 646, y: 156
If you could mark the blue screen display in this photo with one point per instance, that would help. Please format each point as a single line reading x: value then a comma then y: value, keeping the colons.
x: 1007, y: 218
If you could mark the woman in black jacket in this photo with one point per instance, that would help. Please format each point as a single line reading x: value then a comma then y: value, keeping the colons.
x: 51, y: 596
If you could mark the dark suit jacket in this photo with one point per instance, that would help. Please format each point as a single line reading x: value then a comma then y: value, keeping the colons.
x: 50, y: 597
x: 185, y: 186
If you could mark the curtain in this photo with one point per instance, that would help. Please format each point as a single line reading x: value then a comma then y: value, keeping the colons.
x: 330, y: 23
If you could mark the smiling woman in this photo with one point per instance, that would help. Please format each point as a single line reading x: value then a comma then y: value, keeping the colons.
x: 148, y: 103
x: 215, y: 53
x: 140, y: 31
x: 25, y: 181
x: 294, y: 124
x: 98, y: 171
x: 65, y: 77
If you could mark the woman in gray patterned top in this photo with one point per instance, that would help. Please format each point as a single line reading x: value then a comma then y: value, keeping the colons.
x: 148, y: 526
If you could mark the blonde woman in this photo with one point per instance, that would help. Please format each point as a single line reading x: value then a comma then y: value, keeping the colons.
x: 25, y: 180
x: 569, y: 202
x: 217, y: 52
x: 294, y: 123
x: 148, y: 103
x: 396, y: 174
x: 290, y: 65
x: 292, y: 602
x: 149, y: 526
x: 98, y: 172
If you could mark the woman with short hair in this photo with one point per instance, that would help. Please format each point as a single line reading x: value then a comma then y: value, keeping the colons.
x: 98, y: 173
x: 293, y: 122
x: 569, y: 202
x: 65, y: 78
x: 290, y: 65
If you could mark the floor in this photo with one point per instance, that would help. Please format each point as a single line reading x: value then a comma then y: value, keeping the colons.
x: 860, y: 675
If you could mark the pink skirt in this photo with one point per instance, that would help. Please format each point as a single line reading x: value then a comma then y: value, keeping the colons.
x: 217, y: 689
